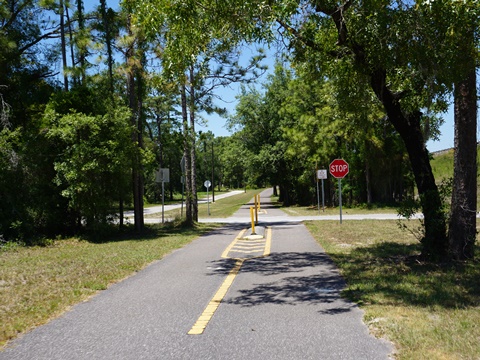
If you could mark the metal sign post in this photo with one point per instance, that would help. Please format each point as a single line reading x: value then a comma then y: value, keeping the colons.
x: 182, y: 179
x: 323, y: 197
x: 163, y: 176
x: 207, y: 184
x: 339, y: 169
x: 163, y: 202
x: 340, y: 197
x: 321, y: 175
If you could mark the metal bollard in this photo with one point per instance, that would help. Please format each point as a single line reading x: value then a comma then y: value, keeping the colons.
x: 256, y: 210
x: 253, y: 221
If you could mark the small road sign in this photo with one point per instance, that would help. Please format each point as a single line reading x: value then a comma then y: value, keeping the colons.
x: 182, y: 164
x: 338, y: 168
x: 207, y: 183
x: 162, y: 175
x: 321, y: 174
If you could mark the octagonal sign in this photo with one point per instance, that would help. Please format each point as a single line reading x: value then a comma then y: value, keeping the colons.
x: 338, y: 168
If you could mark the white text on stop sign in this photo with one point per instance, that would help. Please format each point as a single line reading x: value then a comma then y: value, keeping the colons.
x: 338, y: 168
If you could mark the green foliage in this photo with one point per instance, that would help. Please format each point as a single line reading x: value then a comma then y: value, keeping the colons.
x: 93, y: 167
x: 442, y: 165
x: 304, y: 119
x: 235, y: 159
x: 262, y: 136
x: 11, y: 175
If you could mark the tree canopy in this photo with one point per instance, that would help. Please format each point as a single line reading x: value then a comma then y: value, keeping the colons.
x: 92, y: 101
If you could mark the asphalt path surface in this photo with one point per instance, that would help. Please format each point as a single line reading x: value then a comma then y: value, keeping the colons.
x: 280, y: 300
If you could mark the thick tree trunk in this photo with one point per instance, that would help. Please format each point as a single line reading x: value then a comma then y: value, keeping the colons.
x: 137, y: 180
x: 64, y: 45
x: 193, y: 146
x: 186, y: 154
x: 462, y: 226
x: 435, y: 244
x: 108, y: 42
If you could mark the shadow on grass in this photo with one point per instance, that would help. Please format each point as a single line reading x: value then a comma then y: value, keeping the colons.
x: 271, y: 205
x: 150, y: 232
x: 391, y: 273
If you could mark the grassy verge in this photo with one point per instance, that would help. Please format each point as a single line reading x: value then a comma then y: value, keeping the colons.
x: 221, y: 208
x: 313, y: 210
x: 428, y: 311
x: 39, y: 283
x: 226, y: 207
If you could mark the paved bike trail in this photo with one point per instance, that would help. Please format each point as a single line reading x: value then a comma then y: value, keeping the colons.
x: 279, y: 300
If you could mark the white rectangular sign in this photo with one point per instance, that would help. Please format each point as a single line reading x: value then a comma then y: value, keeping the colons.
x: 162, y: 175
x: 321, y: 174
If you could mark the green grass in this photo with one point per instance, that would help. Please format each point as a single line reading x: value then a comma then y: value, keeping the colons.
x: 226, y: 207
x: 428, y: 311
x: 39, y: 283
x: 221, y: 208
x: 313, y: 210
x: 442, y: 166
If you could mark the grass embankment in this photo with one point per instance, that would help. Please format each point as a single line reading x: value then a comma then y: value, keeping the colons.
x: 442, y: 167
x: 39, y: 283
x: 226, y: 207
x: 428, y: 311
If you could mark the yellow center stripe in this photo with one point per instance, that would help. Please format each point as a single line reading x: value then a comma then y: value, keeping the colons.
x: 199, y: 327
x: 204, y: 319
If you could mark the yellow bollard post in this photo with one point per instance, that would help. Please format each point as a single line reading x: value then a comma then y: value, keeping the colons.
x: 253, y: 222
x: 256, y: 210
x: 258, y: 202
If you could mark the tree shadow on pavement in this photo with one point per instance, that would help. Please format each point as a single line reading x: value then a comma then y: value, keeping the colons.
x: 314, y: 280
x: 319, y: 289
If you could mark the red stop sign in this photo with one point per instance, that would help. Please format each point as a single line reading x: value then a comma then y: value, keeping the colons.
x: 338, y: 168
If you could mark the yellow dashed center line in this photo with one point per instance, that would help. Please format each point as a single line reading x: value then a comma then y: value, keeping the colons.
x: 204, y: 319
x: 199, y: 327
